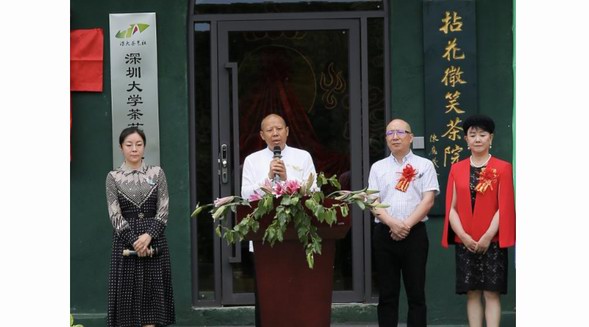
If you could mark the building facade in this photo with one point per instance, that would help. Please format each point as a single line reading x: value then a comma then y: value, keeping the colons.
x: 338, y: 71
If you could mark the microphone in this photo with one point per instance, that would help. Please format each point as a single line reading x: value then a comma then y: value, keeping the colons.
x: 151, y: 252
x: 277, y: 154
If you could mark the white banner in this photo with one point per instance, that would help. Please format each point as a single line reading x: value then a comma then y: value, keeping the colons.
x: 133, y: 76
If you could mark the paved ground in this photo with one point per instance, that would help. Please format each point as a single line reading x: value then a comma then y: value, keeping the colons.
x: 228, y: 316
x: 338, y: 325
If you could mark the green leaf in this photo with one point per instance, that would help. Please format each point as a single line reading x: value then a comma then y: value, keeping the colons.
x: 320, y: 213
x: 268, y: 201
x: 302, y: 232
x: 316, y: 197
x: 344, y: 210
x: 285, y: 200
x: 311, y: 204
x: 360, y: 204
x: 330, y: 216
x: 197, y: 210
x: 255, y: 226
x: 310, y: 259
x: 219, y: 212
x: 333, y: 181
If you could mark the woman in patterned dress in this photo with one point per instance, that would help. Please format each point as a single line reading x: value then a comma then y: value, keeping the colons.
x: 140, y: 286
x: 480, y: 221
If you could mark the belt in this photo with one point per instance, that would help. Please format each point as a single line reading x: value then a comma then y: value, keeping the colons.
x: 140, y: 214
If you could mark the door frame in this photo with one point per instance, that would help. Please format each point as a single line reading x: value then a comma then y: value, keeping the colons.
x: 227, y: 125
x: 213, y: 20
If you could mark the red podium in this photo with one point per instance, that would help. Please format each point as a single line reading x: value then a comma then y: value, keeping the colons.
x: 289, y: 292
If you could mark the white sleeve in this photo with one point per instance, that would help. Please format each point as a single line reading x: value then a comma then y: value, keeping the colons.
x: 430, y: 179
x: 248, y: 183
x: 373, y: 180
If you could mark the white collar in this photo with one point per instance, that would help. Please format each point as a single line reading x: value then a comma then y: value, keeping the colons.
x: 405, y: 158
x: 128, y: 170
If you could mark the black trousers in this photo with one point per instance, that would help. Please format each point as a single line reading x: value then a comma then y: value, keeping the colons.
x: 395, y: 259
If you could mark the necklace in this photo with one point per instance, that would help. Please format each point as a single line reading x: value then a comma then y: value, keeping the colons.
x: 481, y: 165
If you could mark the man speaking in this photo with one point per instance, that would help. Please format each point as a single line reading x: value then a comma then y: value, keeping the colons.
x: 277, y: 161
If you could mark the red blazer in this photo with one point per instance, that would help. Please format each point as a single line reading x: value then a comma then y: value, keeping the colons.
x: 476, y: 223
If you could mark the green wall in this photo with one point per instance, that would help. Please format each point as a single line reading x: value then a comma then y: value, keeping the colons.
x: 494, y: 66
x: 90, y: 229
x: 495, y: 93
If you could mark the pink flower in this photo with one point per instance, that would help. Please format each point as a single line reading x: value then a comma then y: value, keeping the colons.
x: 266, y: 187
x: 222, y: 201
x: 279, y: 189
x: 254, y: 197
x: 291, y: 187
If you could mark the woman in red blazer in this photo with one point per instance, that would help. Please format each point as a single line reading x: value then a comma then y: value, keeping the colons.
x: 480, y: 221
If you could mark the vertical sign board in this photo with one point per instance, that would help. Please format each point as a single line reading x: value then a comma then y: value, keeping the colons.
x: 449, y: 36
x: 133, y: 74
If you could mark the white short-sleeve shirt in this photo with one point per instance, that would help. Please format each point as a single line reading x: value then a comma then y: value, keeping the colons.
x: 384, y: 175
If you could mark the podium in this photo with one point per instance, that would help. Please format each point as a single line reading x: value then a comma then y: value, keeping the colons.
x: 289, y: 292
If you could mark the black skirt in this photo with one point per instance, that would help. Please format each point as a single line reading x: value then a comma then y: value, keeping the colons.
x: 140, y: 288
x: 482, y: 272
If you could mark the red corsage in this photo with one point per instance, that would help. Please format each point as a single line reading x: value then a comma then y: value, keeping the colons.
x: 487, y: 177
x: 407, y: 176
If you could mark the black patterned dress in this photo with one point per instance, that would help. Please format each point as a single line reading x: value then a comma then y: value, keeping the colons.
x: 140, y: 288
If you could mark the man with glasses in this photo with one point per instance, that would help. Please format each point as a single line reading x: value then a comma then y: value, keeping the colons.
x: 408, y: 184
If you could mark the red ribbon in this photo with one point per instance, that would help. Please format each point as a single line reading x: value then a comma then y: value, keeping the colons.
x: 407, y: 176
x: 487, y: 177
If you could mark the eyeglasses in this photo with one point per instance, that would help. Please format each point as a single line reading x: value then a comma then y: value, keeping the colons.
x: 399, y: 132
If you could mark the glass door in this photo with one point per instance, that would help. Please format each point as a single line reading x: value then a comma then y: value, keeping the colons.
x: 307, y: 71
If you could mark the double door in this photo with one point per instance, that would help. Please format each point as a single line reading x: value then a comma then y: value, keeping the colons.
x: 309, y: 72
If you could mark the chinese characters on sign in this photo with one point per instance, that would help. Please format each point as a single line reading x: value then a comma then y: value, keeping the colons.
x: 134, y: 91
x: 450, y: 80
x: 134, y: 80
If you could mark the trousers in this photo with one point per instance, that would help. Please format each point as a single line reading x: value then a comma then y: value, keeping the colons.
x: 401, y: 259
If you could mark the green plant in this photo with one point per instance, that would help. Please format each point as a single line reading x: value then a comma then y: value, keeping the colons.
x: 298, y: 204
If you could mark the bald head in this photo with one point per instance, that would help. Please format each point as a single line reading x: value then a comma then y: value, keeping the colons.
x: 399, y: 122
x: 273, y: 131
x: 271, y: 117
x: 399, y: 138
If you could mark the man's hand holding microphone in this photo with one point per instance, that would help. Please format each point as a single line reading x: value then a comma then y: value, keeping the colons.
x: 277, y: 168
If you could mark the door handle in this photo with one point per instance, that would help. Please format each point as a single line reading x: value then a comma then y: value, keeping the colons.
x: 223, y: 171
x: 223, y: 164
x: 234, y: 114
x: 235, y: 256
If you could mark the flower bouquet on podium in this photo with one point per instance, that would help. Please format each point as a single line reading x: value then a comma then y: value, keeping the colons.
x: 293, y: 202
